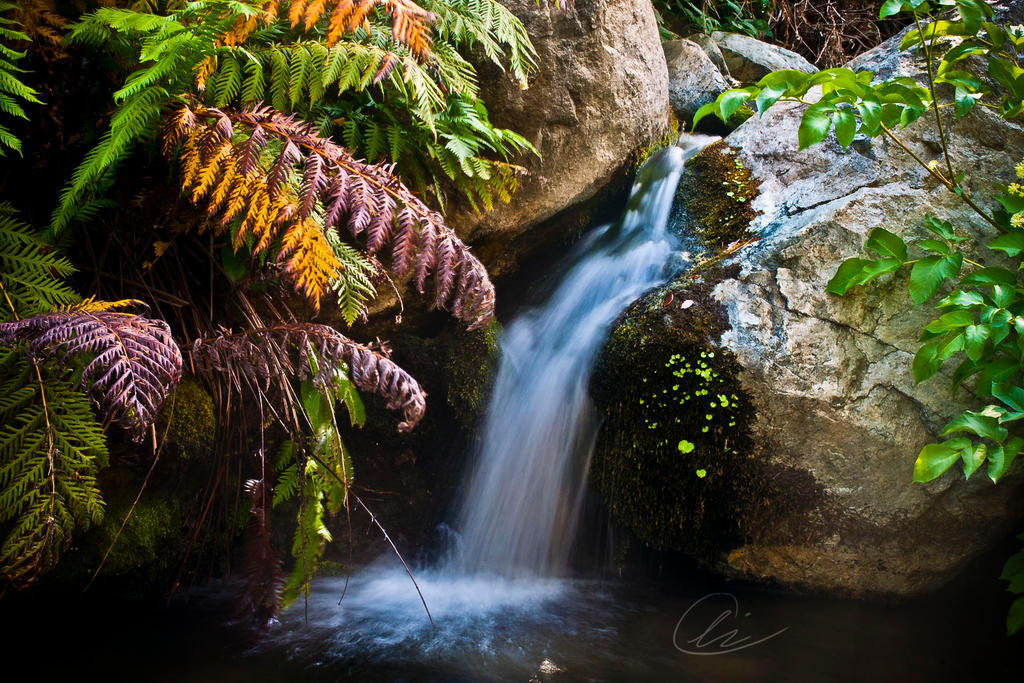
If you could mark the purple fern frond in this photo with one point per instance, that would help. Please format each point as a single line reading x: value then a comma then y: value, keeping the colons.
x: 133, y: 364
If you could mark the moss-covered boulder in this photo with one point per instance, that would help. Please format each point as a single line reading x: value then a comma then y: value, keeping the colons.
x: 715, y: 196
x: 674, y: 462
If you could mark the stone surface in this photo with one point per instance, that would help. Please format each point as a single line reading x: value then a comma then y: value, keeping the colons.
x: 823, y: 497
x: 749, y: 59
x: 829, y: 377
x: 601, y: 93
x: 693, y: 79
x: 711, y: 49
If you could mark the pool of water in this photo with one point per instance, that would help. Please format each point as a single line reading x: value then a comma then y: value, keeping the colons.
x: 692, y: 628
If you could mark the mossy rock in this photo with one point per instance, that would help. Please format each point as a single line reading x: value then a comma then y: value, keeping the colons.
x: 147, y: 551
x: 675, y: 463
x: 188, y: 420
x: 715, y: 196
x: 469, y: 366
x: 669, y: 455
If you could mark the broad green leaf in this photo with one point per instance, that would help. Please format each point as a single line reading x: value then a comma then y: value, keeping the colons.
x: 815, y: 124
x: 947, y: 321
x: 857, y: 271
x: 943, y: 229
x: 1001, y: 458
x: 938, y: 246
x: 1015, y: 617
x: 1013, y: 571
x: 1010, y: 394
x: 930, y: 272
x: 972, y: 458
x: 885, y: 243
x: 936, y: 458
x: 846, y: 127
x: 925, y: 364
x: 975, y: 337
x: 985, y: 426
x: 1011, y: 243
x: 962, y: 299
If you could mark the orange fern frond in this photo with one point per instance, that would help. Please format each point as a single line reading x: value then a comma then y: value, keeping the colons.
x: 305, y: 184
x: 42, y: 23
x: 410, y: 23
x: 309, y: 259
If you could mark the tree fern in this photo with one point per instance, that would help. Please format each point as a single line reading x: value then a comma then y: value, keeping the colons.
x: 132, y: 362
x: 31, y: 278
x: 227, y: 165
x: 50, y: 449
x: 13, y: 93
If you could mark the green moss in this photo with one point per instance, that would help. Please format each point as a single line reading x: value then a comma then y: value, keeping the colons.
x: 716, y: 195
x: 469, y: 370
x: 641, y: 154
x: 675, y: 461
x: 193, y: 423
x: 675, y: 433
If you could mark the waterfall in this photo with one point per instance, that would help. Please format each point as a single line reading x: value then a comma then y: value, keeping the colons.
x: 523, y: 497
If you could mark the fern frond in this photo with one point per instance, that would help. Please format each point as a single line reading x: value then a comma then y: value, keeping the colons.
x: 31, y: 278
x: 354, y: 284
x: 50, y: 449
x: 410, y: 23
x: 133, y: 361
x: 364, y: 198
x: 247, y: 357
x: 13, y: 93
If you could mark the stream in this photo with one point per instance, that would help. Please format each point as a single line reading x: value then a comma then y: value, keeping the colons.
x: 503, y: 603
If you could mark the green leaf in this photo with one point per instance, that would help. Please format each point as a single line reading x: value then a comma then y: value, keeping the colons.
x: 943, y: 229
x: 972, y: 458
x: 846, y: 127
x: 857, y: 271
x: 815, y: 124
x: 984, y: 277
x: 1010, y: 394
x: 1002, y: 457
x: 962, y: 299
x: 1015, y: 617
x: 938, y: 246
x: 936, y: 458
x: 925, y: 364
x: 985, y: 426
x: 885, y: 243
x: 948, y: 321
x: 1011, y: 243
x: 930, y: 272
x: 975, y: 337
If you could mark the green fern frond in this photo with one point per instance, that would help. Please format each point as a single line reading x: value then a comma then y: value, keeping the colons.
x: 13, y: 93
x: 354, y: 284
x: 31, y: 277
x: 50, y: 449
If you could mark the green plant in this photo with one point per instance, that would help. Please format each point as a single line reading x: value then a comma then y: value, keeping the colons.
x: 13, y: 93
x: 737, y: 16
x: 240, y: 97
x: 981, y: 319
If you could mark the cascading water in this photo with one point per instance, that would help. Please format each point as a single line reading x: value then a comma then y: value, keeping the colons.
x: 522, y: 502
x: 502, y: 582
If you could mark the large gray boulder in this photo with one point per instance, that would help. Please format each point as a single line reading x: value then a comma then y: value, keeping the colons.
x: 693, y: 78
x: 600, y: 94
x: 829, y: 377
x: 796, y: 415
x: 750, y: 59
